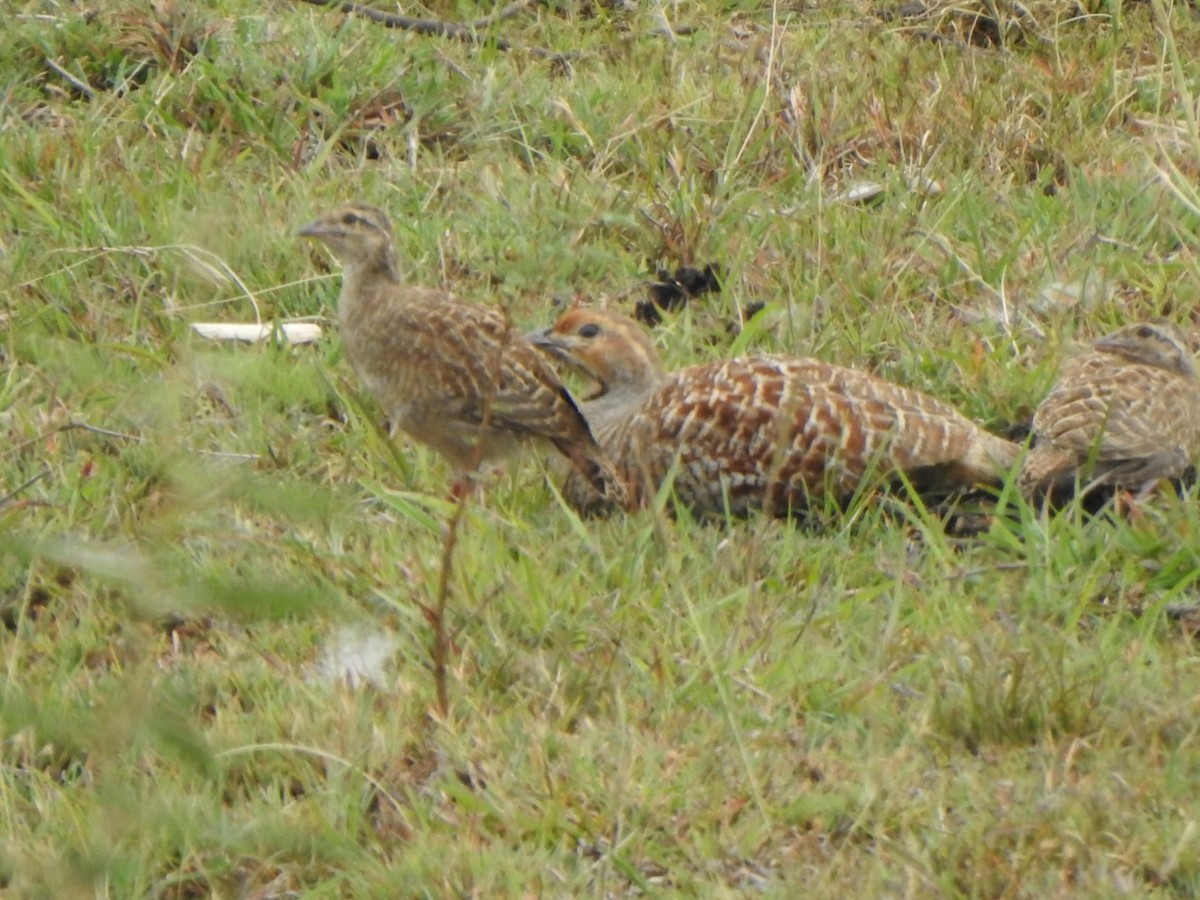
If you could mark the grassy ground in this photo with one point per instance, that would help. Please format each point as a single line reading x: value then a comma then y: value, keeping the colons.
x: 188, y: 530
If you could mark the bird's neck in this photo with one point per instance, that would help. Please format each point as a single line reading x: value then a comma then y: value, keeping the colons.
x: 615, y: 403
x: 361, y: 279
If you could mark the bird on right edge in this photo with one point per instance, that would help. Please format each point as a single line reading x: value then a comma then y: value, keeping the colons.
x: 779, y: 434
x: 1125, y: 415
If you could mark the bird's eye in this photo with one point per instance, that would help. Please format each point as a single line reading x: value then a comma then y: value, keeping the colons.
x: 590, y: 330
x: 350, y: 219
x: 1145, y: 332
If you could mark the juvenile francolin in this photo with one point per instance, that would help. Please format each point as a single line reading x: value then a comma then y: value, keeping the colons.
x: 1124, y: 415
x: 450, y: 374
x: 773, y: 433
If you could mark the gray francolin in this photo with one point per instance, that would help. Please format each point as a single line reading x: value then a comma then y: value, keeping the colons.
x: 773, y: 433
x: 1126, y: 414
x: 450, y: 374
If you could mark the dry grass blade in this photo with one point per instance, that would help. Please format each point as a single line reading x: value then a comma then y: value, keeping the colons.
x: 439, y: 28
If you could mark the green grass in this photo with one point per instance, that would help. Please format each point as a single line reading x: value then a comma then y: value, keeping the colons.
x: 636, y: 705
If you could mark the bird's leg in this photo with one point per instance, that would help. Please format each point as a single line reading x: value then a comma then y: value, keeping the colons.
x: 1128, y: 503
x: 472, y: 483
x: 464, y: 487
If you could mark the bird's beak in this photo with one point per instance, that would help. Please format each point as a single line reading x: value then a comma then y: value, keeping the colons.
x: 1112, y: 344
x: 317, y: 229
x: 552, y: 345
x: 559, y: 347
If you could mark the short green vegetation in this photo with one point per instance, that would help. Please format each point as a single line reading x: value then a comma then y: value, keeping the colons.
x: 198, y: 539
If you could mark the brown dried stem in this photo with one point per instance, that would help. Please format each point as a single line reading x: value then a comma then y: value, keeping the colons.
x: 467, y: 33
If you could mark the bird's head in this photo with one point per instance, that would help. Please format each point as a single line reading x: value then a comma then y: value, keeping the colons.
x: 358, y: 235
x: 611, y: 349
x: 1159, y: 343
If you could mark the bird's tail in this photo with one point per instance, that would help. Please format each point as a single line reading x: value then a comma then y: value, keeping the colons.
x: 1046, y: 472
x: 992, y: 457
x: 599, y: 472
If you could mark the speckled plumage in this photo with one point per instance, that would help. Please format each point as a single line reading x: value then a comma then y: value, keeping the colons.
x: 770, y: 433
x: 1125, y: 414
x: 453, y: 375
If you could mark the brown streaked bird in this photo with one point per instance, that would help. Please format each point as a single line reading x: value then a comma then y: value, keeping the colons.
x: 452, y: 375
x: 1125, y: 414
x: 771, y: 433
